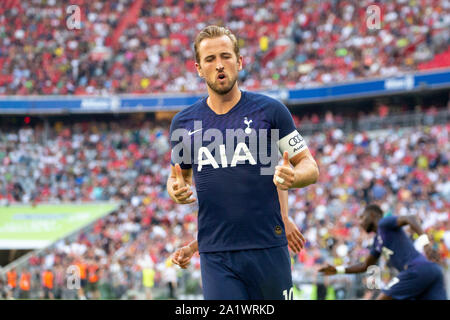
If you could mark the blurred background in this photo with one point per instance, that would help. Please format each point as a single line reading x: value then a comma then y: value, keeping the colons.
x: 87, y: 95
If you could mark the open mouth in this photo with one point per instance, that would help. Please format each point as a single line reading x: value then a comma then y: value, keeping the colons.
x: 221, y: 76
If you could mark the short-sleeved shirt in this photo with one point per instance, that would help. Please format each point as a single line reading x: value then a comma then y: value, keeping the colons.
x: 233, y: 156
x: 394, y: 244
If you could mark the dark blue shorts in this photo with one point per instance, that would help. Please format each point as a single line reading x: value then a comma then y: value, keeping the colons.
x: 421, y: 281
x: 257, y: 274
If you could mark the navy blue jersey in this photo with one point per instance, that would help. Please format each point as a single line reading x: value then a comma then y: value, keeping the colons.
x: 228, y: 153
x: 394, y: 244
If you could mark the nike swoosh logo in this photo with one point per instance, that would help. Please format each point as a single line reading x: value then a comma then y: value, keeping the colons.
x: 191, y: 133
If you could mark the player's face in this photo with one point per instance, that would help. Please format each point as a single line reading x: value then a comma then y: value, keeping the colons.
x: 367, y: 222
x: 218, y: 64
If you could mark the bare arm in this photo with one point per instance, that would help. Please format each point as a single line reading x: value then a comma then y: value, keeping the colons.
x: 193, y: 245
x: 423, y: 242
x: 356, y: 268
x: 362, y: 267
x: 295, y: 239
x: 283, y: 198
x: 305, y: 169
x: 412, y: 222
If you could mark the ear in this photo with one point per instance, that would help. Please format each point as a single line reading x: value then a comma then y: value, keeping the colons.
x: 199, y: 70
x: 240, y: 62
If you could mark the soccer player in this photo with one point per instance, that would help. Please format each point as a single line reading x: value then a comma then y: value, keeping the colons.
x: 241, y: 237
x: 418, y: 278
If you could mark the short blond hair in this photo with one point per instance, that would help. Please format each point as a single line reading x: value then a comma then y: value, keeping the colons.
x: 211, y: 32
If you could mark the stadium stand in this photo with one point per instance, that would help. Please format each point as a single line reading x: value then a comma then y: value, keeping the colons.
x: 145, y: 46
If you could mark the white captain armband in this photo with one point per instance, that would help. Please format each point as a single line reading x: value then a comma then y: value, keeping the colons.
x: 293, y: 143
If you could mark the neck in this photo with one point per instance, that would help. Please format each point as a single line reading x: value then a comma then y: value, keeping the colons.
x: 221, y: 104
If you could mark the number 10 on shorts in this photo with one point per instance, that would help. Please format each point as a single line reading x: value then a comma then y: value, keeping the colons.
x: 290, y: 295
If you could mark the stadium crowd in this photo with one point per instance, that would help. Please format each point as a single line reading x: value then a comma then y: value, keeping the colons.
x: 145, y: 46
x: 127, y: 253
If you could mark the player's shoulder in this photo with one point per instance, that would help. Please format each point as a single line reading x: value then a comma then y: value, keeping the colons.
x: 264, y: 100
x: 388, y: 222
x: 191, y: 112
x: 272, y: 108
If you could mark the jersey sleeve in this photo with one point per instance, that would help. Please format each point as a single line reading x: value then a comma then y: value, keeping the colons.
x: 388, y: 223
x: 290, y: 139
x: 180, y: 151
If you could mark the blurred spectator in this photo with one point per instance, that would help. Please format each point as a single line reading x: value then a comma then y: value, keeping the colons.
x: 25, y: 284
x: 92, y: 285
x: 47, y: 284
x: 11, y: 277
x: 169, y: 277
